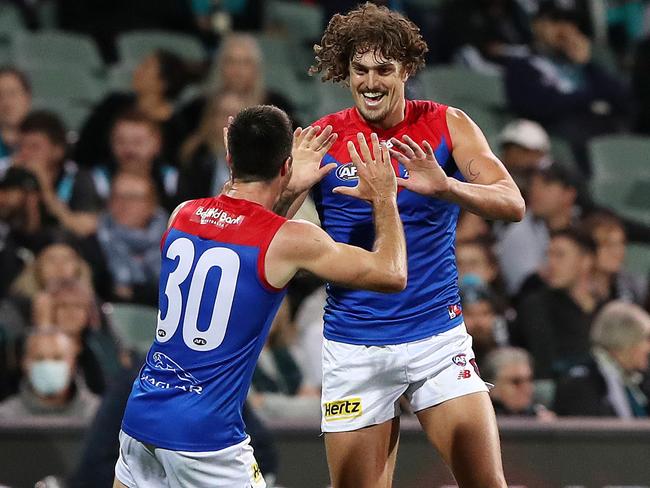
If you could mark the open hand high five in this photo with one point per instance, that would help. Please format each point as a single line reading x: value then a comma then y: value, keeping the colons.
x: 425, y: 174
x: 309, y: 147
x: 376, y: 175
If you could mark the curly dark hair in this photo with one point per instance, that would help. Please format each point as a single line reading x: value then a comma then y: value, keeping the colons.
x: 368, y: 28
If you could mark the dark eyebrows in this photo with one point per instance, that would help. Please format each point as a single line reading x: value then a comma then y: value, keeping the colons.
x: 357, y: 65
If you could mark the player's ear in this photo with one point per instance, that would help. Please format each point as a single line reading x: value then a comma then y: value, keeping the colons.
x: 228, y: 159
x: 405, y: 74
x: 286, y: 167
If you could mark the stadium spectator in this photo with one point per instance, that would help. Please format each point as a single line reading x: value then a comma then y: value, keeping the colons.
x: 237, y: 68
x: 136, y: 143
x: 561, y: 86
x: 551, y: 206
x: 510, y: 369
x: 471, y: 227
x: 203, y: 168
x: 71, y: 307
x: 614, y: 381
x: 55, y: 263
x: 15, y: 104
x: 51, y: 387
x: 278, y: 390
x: 484, y: 323
x: 482, y: 34
x: 475, y: 258
x: 157, y: 82
x: 553, y: 323
x: 67, y: 192
x: 129, y: 235
x: 610, y: 280
x: 525, y: 148
x: 20, y: 223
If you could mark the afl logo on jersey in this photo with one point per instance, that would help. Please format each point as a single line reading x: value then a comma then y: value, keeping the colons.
x: 347, y: 172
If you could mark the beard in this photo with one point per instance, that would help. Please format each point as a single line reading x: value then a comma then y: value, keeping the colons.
x: 373, y: 115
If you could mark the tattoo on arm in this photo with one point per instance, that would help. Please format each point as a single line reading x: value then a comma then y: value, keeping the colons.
x: 473, y: 173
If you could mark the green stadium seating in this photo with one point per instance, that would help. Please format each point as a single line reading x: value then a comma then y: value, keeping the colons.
x: 621, y: 174
x: 620, y: 155
x: 490, y: 120
x: 11, y: 19
x: 133, y: 46
x: 331, y: 98
x: 300, y: 22
x: 134, y: 325
x: 52, y: 83
x: 562, y: 152
x: 73, y: 114
x: 458, y: 86
x: 637, y: 259
x: 56, y: 49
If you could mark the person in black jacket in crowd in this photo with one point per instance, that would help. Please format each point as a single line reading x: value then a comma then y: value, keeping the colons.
x: 614, y: 381
x: 560, y: 85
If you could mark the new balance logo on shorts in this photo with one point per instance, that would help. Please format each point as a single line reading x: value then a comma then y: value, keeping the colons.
x: 464, y: 374
x: 343, y: 409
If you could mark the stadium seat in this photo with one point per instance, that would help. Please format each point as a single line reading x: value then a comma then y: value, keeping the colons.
x: 276, y: 51
x: 458, y: 86
x: 61, y: 50
x: 562, y: 152
x: 301, y: 23
x: 11, y: 19
x: 624, y: 155
x: 621, y: 174
x: 11, y: 23
x: 490, y: 120
x: 134, y: 325
x: 72, y: 113
x: 135, y: 45
x: 637, y: 259
x: 331, y: 98
x: 51, y: 83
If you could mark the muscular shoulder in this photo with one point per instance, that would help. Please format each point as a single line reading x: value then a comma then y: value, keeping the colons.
x: 294, y: 238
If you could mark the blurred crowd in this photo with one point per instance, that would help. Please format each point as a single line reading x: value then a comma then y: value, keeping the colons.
x: 559, y: 323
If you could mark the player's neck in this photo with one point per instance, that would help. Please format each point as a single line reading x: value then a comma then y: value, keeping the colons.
x: 262, y: 193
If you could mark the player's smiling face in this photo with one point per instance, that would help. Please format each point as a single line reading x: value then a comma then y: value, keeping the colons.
x: 377, y: 86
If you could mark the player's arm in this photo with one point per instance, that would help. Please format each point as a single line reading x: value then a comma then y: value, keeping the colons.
x: 489, y: 191
x: 309, y: 147
x: 301, y: 245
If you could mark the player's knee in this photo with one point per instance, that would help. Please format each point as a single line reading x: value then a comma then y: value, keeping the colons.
x: 489, y: 480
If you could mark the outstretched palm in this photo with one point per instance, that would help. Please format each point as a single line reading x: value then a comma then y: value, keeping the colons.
x: 425, y: 174
x: 309, y: 147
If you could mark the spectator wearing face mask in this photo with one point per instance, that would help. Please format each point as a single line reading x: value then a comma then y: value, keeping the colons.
x: 72, y: 308
x: 51, y: 387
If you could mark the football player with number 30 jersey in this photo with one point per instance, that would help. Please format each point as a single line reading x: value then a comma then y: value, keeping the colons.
x: 226, y: 261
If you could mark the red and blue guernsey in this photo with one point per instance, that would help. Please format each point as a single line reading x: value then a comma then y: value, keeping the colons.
x: 430, y: 304
x: 216, y: 308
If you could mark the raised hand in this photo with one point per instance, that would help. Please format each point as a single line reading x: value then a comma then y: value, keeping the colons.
x: 425, y: 174
x: 309, y: 147
x: 376, y: 175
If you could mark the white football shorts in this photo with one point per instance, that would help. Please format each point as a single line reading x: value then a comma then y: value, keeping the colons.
x: 142, y: 465
x: 362, y: 385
